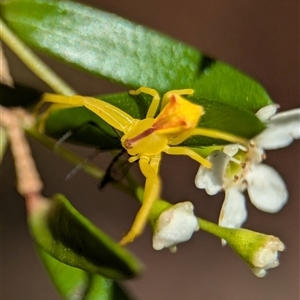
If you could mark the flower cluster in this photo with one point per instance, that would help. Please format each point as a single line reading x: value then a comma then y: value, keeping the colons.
x: 236, y: 169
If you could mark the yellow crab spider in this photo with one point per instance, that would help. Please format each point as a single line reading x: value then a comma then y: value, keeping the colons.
x: 146, y: 139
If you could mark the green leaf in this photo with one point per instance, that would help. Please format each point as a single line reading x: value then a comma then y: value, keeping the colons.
x: 73, y: 283
x: 89, y: 129
x: 60, y: 230
x: 111, y: 289
x: 107, y: 45
x: 224, y: 117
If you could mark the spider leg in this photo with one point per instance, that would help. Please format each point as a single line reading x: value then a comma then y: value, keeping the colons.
x: 109, y: 113
x: 43, y: 117
x: 213, y: 133
x: 188, y: 152
x: 112, y: 115
x: 149, y: 168
x: 155, y: 101
x: 59, y: 102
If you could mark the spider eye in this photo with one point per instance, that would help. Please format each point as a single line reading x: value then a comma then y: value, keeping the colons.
x: 127, y: 144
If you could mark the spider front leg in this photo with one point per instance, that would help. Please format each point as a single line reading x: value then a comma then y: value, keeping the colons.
x: 149, y: 167
x: 58, y: 102
x: 213, y: 133
x: 109, y: 113
x: 204, y: 132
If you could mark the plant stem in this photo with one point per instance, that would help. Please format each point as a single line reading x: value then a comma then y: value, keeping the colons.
x: 33, y: 62
x: 135, y: 189
x: 214, y: 229
x: 66, y: 154
x: 73, y: 158
x: 210, y: 227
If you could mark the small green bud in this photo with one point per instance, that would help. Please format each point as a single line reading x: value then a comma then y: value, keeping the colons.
x: 260, y: 251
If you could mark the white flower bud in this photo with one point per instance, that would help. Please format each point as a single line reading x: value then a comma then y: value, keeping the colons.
x: 175, y: 225
x: 231, y: 149
x: 266, y: 257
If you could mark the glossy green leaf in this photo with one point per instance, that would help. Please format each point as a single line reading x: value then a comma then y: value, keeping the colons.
x: 227, y: 118
x: 73, y: 283
x: 107, y: 45
x: 60, y: 230
x: 89, y: 129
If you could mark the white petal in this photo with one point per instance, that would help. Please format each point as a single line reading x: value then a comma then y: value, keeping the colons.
x: 233, y: 212
x: 282, y: 129
x: 266, y: 189
x: 266, y: 112
x: 212, y: 179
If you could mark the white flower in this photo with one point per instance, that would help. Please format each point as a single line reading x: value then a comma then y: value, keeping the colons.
x: 236, y: 169
x: 175, y: 225
x: 267, y: 256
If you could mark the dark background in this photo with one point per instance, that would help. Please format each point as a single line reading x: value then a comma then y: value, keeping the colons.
x: 261, y: 38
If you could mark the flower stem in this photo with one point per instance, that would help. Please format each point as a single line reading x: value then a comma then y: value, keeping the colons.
x: 33, y: 62
x: 221, y: 232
